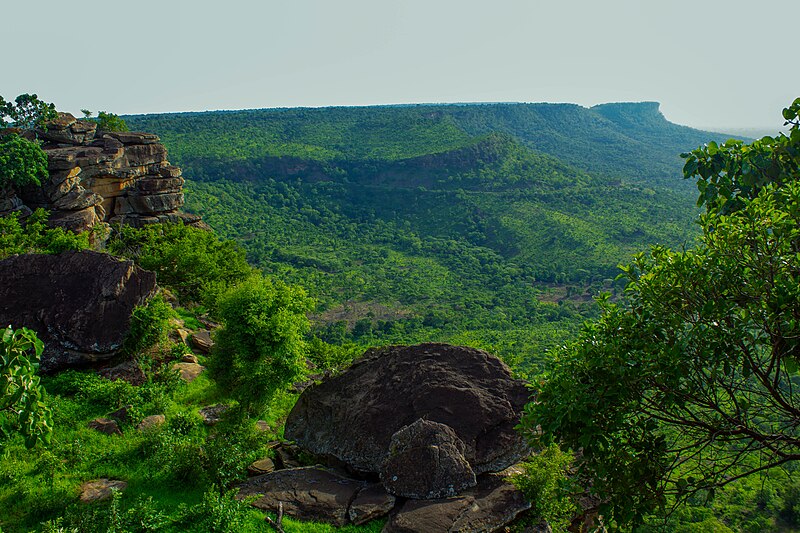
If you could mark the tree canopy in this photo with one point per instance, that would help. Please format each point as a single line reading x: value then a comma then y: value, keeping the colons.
x: 26, y: 111
x: 688, y: 382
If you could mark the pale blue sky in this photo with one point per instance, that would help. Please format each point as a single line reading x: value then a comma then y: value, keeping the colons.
x: 720, y: 64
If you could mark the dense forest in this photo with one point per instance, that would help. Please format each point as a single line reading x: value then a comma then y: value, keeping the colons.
x: 493, y: 225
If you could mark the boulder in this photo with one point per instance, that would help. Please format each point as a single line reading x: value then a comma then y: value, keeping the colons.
x: 156, y: 203
x: 74, y: 221
x: 212, y: 414
x: 129, y: 371
x: 100, y: 489
x: 261, y: 467
x: 353, y: 416
x: 150, y: 422
x: 308, y: 493
x: 426, y: 461
x: 79, y: 303
x: 108, y: 426
x: 490, y: 506
x: 188, y: 371
x: 201, y: 341
x: 68, y: 130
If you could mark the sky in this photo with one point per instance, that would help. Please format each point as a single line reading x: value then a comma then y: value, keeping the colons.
x: 711, y: 64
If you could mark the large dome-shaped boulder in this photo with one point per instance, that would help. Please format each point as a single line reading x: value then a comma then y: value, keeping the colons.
x: 79, y: 303
x: 353, y: 416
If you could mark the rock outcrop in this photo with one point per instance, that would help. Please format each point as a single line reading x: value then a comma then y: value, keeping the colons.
x: 98, y: 176
x: 352, y: 417
x: 426, y: 461
x: 79, y: 303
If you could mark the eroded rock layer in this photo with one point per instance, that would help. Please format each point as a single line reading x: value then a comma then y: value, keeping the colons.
x: 98, y: 177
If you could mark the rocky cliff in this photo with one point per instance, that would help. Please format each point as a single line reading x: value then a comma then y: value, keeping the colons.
x: 104, y: 177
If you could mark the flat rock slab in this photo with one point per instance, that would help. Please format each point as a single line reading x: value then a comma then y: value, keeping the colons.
x: 201, y: 341
x: 306, y: 493
x: 100, y: 489
x: 370, y: 503
x: 150, y: 422
x: 490, y: 506
x: 212, y: 414
x: 353, y: 416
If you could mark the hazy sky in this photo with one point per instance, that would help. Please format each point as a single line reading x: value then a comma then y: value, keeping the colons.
x: 722, y: 64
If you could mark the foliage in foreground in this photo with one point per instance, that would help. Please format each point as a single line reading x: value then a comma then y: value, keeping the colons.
x: 689, y: 382
x: 194, y: 263
x: 22, y: 398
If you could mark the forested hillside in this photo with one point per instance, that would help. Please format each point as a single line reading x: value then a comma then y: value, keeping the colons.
x: 487, y: 224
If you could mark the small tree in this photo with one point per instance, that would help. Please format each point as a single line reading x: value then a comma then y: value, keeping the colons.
x: 260, y: 349
x: 110, y: 122
x: 27, y: 112
x: 22, y: 406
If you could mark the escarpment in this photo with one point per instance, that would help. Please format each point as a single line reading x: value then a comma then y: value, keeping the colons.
x: 103, y: 177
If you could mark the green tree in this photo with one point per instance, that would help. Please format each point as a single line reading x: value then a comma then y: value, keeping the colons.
x: 22, y: 162
x: 22, y: 406
x: 260, y: 349
x: 688, y: 383
x: 110, y: 122
x: 26, y: 112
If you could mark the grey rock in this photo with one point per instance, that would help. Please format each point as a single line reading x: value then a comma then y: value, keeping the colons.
x: 426, y: 461
x: 353, y: 416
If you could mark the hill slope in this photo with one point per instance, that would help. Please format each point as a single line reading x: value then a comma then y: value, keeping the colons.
x: 476, y: 223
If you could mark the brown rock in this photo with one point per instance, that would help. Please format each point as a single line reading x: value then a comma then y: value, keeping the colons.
x: 262, y: 426
x: 152, y: 421
x: 490, y: 506
x: 100, y: 489
x: 188, y: 371
x: 150, y: 185
x: 109, y: 186
x: 201, y: 340
x: 189, y: 358
x: 121, y: 414
x: 353, y: 416
x: 170, y: 171
x: 74, y: 221
x: 370, y: 503
x: 156, y: 203
x: 426, y: 461
x: 79, y: 303
x: 129, y: 371
x: 76, y: 199
x: 260, y: 467
x: 133, y: 137
x: 105, y: 425
x: 306, y: 493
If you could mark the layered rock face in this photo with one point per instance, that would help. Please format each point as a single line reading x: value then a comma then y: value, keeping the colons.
x: 98, y: 177
x: 79, y: 303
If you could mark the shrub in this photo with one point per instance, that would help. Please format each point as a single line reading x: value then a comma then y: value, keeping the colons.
x: 546, y: 484
x: 261, y: 348
x: 149, y: 325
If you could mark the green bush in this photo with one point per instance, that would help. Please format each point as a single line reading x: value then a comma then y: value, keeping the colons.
x: 260, y: 349
x: 35, y: 237
x: 149, y: 325
x: 22, y: 162
x: 194, y: 263
x: 545, y: 482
